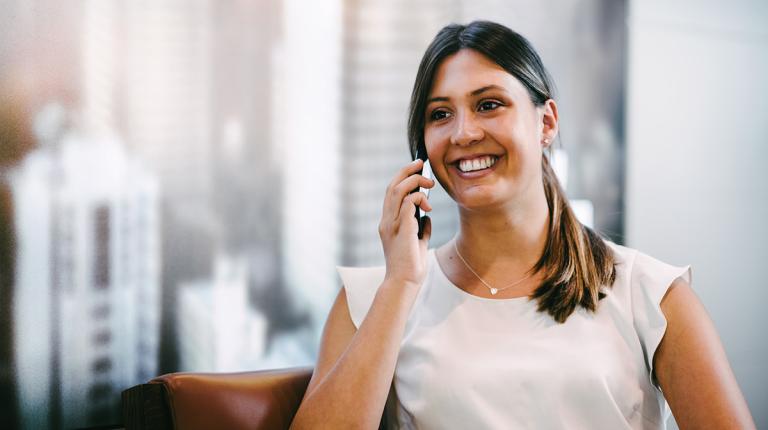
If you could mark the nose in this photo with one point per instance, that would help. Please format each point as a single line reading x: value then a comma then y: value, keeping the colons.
x: 466, y: 130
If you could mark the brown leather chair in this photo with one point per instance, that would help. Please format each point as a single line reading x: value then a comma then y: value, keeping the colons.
x: 265, y: 399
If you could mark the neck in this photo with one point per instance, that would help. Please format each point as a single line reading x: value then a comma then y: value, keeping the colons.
x: 504, y: 240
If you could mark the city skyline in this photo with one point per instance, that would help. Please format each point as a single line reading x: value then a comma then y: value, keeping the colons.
x: 253, y: 143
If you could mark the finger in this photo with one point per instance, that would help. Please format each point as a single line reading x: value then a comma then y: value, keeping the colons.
x: 411, y: 201
x: 406, y: 171
x: 409, y: 184
x: 396, y: 195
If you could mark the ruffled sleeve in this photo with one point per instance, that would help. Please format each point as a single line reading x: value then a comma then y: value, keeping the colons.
x: 360, y: 285
x: 650, y: 280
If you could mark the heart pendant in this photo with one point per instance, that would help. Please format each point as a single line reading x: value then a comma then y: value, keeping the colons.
x: 494, y: 291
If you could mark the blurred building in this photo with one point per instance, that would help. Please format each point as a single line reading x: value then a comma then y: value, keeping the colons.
x: 148, y: 75
x: 383, y: 44
x: 87, y: 303
x: 219, y: 331
x: 306, y: 101
x: 247, y: 173
x: 194, y: 103
x: 165, y: 92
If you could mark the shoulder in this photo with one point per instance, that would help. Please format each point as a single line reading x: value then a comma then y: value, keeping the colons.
x: 642, y: 282
x: 360, y: 285
x: 638, y: 270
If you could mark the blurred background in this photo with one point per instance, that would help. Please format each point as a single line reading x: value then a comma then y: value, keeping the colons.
x: 179, y: 178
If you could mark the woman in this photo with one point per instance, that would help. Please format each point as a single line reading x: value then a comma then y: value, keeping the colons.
x: 526, y: 319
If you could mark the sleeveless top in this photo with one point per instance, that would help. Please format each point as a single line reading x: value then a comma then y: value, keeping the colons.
x: 468, y: 362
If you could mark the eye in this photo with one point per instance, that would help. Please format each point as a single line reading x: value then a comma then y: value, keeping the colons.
x: 438, y: 114
x: 488, y: 105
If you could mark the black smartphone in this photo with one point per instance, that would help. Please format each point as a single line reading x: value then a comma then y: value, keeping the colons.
x: 426, y: 171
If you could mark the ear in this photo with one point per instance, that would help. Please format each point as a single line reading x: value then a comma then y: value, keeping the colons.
x: 549, y: 121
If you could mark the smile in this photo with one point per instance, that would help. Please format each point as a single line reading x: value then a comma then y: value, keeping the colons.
x: 476, y: 164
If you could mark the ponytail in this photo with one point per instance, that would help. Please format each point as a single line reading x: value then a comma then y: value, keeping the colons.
x: 576, y: 261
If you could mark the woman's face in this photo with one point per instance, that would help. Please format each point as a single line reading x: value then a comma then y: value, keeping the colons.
x: 478, y: 114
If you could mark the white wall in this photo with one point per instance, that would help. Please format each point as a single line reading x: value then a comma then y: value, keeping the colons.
x: 697, y: 182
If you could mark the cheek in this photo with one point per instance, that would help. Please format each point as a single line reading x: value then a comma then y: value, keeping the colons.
x: 436, y: 147
x: 516, y: 139
x: 433, y: 140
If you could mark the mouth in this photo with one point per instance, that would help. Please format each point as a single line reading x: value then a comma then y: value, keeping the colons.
x: 477, y: 164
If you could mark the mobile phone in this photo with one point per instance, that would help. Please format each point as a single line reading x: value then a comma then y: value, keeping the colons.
x: 426, y: 171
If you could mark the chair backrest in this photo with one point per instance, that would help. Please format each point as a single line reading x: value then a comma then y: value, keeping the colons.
x: 254, y: 400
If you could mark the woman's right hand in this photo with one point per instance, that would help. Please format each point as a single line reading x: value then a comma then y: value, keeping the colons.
x: 405, y: 253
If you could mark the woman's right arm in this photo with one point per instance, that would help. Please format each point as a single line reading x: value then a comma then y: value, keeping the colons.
x: 354, y: 371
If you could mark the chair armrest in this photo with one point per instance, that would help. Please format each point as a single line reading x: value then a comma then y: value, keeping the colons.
x: 255, y: 400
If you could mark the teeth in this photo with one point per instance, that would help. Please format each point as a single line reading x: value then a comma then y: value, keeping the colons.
x: 477, y: 163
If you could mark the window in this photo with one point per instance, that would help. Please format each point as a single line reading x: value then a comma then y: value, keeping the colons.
x: 101, y: 365
x: 101, y: 247
x: 102, y: 337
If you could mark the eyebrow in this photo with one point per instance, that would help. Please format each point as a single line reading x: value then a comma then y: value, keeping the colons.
x: 473, y: 93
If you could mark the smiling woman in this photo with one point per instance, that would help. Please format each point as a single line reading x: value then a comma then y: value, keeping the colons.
x: 492, y: 97
x: 527, y: 319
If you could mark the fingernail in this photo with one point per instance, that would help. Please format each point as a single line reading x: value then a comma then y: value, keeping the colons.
x: 416, y: 160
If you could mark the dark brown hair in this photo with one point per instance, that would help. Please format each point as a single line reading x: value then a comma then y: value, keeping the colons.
x: 576, y: 261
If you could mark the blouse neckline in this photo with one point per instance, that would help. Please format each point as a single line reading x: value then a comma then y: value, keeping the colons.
x: 455, y: 288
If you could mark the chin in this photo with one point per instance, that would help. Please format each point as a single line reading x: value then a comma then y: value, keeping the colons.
x: 480, y: 201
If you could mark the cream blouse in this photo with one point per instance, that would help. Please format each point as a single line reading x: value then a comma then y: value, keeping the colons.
x: 468, y: 362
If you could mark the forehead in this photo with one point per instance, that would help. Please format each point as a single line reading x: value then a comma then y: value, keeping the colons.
x: 467, y: 70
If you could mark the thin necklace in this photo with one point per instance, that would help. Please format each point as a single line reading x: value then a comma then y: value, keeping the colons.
x: 490, y: 288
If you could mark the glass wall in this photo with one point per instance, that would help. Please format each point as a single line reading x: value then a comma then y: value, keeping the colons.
x: 179, y: 179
